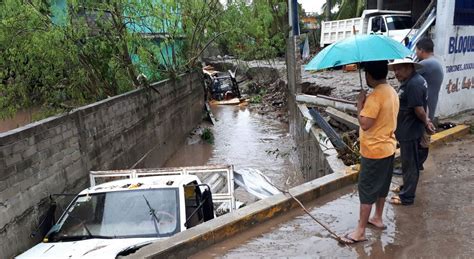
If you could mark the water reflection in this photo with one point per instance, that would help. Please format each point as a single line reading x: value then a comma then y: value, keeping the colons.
x: 246, y: 140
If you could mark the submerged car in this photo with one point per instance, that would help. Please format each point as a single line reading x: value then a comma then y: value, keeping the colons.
x: 221, y: 86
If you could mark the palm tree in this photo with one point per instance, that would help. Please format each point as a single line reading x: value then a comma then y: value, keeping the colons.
x: 327, y: 7
x: 350, y: 9
x: 347, y: 8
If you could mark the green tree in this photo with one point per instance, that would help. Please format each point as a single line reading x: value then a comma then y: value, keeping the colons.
x: 93, y: 50
x: 350, y: 9
x: 346, y: 9
x: 62, y: 56
x: 254, y: 31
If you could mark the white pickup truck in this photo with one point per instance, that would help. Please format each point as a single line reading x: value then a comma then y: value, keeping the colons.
x: 394, y: 24
x: 124, y: 210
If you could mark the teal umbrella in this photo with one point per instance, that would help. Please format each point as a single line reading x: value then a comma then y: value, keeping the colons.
x: 357, y: 49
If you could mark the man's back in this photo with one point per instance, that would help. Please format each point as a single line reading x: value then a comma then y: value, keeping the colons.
x: 433, y: 73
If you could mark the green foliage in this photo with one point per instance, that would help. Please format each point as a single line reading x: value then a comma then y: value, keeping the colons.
x: 207, y: 136
x: 346, y: 9
x: 254, y: 31
x: 88, y: 51
x: 350, y: 9
x: 60, y: 56
x: 256, y: 98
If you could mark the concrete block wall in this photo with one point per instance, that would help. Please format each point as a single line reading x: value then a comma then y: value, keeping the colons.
x: 316, y: 154
x: 315, y: 159
x: 55, y: 155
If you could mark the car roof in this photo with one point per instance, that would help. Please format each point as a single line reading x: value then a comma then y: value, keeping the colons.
x: 148, y: 182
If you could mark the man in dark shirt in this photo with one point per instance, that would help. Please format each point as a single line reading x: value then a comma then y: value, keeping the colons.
x: 432, y: 71
x: 411, y: 123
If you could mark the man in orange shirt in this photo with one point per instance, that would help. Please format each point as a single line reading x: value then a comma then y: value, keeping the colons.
x: 377, y: 114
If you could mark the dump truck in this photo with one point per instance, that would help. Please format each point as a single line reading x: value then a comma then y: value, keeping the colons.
x: 394, y: 24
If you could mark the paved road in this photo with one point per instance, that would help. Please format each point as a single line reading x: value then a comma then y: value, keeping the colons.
x: 440, y: 224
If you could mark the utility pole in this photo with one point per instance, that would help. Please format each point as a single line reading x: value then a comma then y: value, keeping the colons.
x: 293, y: 18
x: 379, y: 4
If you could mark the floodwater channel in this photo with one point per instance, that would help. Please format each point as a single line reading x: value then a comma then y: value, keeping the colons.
x: 244, y: 139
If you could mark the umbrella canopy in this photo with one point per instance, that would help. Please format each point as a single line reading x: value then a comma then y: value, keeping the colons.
x: 356, y: 49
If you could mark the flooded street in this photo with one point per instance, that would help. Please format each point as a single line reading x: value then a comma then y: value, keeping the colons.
x: 244, y: 139
x: 439, y: 224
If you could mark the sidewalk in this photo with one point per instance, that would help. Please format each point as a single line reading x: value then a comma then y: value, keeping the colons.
x: 439, y: 224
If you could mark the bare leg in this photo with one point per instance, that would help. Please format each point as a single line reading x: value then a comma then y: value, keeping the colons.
x: 377, y: 218
x: 359, y: 232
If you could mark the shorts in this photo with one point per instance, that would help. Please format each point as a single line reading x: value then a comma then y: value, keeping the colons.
x: 374, y: 178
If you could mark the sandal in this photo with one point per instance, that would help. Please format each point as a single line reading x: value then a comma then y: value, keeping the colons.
x: 395, y: 200
x: 370, y: 224
x: 348, y: 240
x: 397, y: 189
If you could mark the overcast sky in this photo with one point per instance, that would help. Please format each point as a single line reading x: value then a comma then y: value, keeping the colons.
x: 312, y: 5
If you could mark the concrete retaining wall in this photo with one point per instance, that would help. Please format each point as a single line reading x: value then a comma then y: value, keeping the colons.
x: 314, y: 155
x: 55, y: 155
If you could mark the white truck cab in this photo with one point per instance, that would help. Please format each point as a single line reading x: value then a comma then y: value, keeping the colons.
x: 394, y: 24
x: 117, y: 217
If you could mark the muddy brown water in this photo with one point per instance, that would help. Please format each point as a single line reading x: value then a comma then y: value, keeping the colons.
x: 244, y: 139
x: 439, y: 225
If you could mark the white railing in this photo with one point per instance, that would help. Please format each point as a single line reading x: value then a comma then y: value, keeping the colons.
x: 224, y: 195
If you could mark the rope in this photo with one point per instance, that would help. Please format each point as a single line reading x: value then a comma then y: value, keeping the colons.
x: 333, y: 234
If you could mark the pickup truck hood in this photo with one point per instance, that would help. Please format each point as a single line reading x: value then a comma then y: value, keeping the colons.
x: 91, y: 248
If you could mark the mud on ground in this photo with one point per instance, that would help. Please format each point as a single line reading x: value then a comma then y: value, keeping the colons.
x: 438, y: 225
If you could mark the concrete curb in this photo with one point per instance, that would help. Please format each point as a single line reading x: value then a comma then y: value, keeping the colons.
x: 202, y: 236
x: 443, y: 137
x: 449, y: 135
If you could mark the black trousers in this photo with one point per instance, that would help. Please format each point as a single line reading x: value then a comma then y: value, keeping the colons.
x: 422, y: 156
x: 410, y: 169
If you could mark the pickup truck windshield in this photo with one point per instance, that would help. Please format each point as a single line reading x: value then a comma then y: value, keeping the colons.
x: 399, y: 22
x: 120, y: 214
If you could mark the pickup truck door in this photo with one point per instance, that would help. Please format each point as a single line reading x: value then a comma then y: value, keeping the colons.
x: 377, y: 25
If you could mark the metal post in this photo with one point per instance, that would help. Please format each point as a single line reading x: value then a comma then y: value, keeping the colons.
x: 295, y: 19
x: 379, y: 4
x: 290, y: 17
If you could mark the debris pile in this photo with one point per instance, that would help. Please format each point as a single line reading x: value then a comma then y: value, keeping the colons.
x: 270, y: 100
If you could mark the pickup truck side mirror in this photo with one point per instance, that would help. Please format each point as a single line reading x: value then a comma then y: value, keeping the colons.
x: 47, y: 222
x: 202, y: 207
x: 208, y: 206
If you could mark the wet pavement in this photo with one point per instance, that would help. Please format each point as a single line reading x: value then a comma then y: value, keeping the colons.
x: 439, y: 225
x: 244, y: 139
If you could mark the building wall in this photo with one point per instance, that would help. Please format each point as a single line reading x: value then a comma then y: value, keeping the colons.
x: 455, y: 46
x: 55, y: 155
